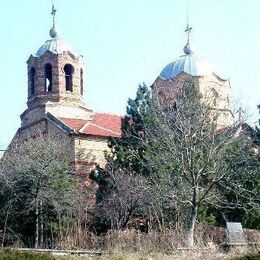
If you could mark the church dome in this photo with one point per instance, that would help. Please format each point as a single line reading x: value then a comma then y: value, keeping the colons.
x: 189, y: 63
x: 55, y: 45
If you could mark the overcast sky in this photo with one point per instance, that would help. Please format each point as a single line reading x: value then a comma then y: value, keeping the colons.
x: 126, y: 42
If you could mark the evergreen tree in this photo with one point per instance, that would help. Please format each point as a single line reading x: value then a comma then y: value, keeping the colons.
x: 128, y: 150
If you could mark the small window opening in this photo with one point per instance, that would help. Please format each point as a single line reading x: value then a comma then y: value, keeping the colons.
x: 68, y: 69
x: 81, y: 82
x: 215, y: 96
x: 32, y: 81
x: 48, y: 77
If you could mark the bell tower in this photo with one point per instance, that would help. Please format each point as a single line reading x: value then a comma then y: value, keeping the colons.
x: 55, y: 81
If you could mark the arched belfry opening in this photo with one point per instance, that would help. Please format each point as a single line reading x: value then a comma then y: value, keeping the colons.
x: 32, y: 80
x: 215, y: 96
x: 68, y: 70
x: 48, y: 77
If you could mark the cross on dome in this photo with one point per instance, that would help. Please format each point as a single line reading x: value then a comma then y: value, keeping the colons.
x: 53, y: 31
x: 189, y: 62
x: 53, y: 12
x: 55, y: 45
x: 187, y: 49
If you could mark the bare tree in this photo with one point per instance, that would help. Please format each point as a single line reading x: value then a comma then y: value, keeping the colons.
x: 122, y: 195
x: 37, y: 175
x: 187, y: 149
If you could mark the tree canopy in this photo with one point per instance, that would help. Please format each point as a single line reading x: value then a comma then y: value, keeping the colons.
x: 189, y: 161
x: 38, y: 188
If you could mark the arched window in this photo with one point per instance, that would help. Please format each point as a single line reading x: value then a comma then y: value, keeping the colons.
x: 68, y: 69
x: 81, y: 82
x: 32, y: 81
x: 215, y: 96
x: 48, y: 77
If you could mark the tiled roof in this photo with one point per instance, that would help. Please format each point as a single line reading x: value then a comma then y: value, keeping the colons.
x: 102, y: 125
x: 74, y: 124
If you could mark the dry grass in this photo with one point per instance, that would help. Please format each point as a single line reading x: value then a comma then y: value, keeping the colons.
x: 169, y: 244
x: 154, y: 241
x: 192, y: 255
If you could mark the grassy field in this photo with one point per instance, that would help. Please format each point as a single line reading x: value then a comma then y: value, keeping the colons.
x: 9, y: 254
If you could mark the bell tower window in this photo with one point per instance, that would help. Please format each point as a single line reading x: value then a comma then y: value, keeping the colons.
x: 215, y: 96
x: 32, y: 81
x: 81, y: 82
x: 48, y: 77
x: 68, y: 69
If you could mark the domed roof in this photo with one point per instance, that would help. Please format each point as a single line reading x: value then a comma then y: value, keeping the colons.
x: 55, y: 45
x: 190, y: 63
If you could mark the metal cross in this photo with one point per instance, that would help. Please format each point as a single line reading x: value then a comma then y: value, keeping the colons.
x: 188, y: 28
x: 53, y: 12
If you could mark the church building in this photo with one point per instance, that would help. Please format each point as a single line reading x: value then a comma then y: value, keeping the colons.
x: 55, y: 102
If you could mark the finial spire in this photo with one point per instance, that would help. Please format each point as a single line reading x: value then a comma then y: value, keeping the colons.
x: 53, y: 12
x: 188, y: 29
x: 53, y: 31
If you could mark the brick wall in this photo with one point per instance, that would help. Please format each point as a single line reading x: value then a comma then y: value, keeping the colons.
x: 215, y: 90
x: 60, y: 102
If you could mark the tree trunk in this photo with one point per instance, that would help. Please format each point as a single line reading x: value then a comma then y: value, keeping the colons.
x: 5, y: 225
x: 36, y: 244
x: 192, y: 220
x: 191, y: 227
x: 41, y: 225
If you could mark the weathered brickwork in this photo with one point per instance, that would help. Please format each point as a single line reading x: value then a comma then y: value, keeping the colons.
x: 46, y: 106
x: 91, y: 149
x: 213, y: 89
x: 58, y: 93
x: 57, y: 101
